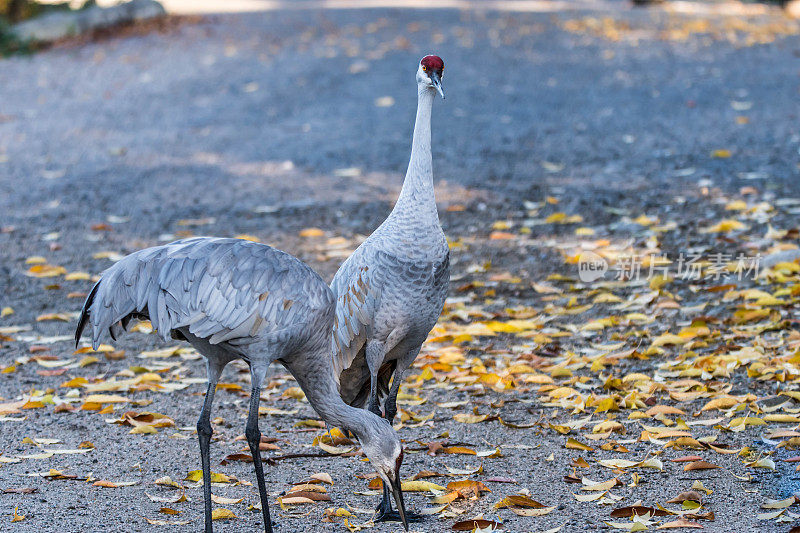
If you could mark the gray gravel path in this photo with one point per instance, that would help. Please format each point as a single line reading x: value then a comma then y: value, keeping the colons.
x: 250, y: 119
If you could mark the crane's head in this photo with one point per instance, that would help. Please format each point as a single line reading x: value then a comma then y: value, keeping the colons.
x: 382, y: 446
x: 430, y: 72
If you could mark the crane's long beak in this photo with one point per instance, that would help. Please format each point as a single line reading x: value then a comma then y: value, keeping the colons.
x: 437, y: 83
x: 397, y: 492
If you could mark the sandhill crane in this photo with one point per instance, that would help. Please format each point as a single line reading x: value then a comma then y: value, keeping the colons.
x: 236, y: 299
x: 390, y: 292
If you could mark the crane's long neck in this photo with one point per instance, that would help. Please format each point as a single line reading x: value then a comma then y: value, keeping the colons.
x: 417, y: 201
x: 314, y: 373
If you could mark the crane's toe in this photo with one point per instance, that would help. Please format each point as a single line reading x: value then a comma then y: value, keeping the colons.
x: 393, y: 516
x: 385, y: 513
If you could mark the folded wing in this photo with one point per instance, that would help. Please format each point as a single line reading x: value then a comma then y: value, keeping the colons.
x: 224, y: 290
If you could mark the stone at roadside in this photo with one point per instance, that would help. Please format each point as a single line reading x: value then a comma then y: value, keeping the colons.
x: 59, y: 25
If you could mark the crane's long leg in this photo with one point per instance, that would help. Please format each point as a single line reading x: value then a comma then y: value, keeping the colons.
x: 385, y: 513
x: 374, y: 354
x: 390, y: 404
x: 257, y: 374
x: 384, y: 509
x: 204, y: 432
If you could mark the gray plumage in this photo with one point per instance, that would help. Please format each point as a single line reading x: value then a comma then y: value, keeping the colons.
x: 391, y: 291
x: 229, y: 291
x: 234, y: 299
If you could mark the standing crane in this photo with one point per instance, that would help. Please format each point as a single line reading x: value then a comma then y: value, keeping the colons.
x: 391, y: 291
x: 236, y: 299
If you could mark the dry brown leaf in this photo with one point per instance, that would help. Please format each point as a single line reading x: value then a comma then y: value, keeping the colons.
x: 471, y: 525
x: 699, y: 465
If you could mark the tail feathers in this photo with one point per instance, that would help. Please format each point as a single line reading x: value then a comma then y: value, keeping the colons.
x: 107, y: 308
x: 84, y: 319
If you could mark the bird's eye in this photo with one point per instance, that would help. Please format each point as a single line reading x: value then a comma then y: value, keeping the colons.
x: 424, y: 69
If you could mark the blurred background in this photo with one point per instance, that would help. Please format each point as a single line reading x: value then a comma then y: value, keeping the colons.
x: 605, y: 89
x: 569, y: 125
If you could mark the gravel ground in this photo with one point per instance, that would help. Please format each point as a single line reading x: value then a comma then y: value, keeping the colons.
x: 268, y: 123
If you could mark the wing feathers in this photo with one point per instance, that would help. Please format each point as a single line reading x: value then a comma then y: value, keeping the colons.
x: 221, y: 289
x: 357, y: 289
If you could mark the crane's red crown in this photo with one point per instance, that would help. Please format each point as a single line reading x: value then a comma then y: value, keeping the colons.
x: 432, y: 63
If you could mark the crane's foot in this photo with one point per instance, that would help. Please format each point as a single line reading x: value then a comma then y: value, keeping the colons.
x: 394, y: 516
x: 385, y: 513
